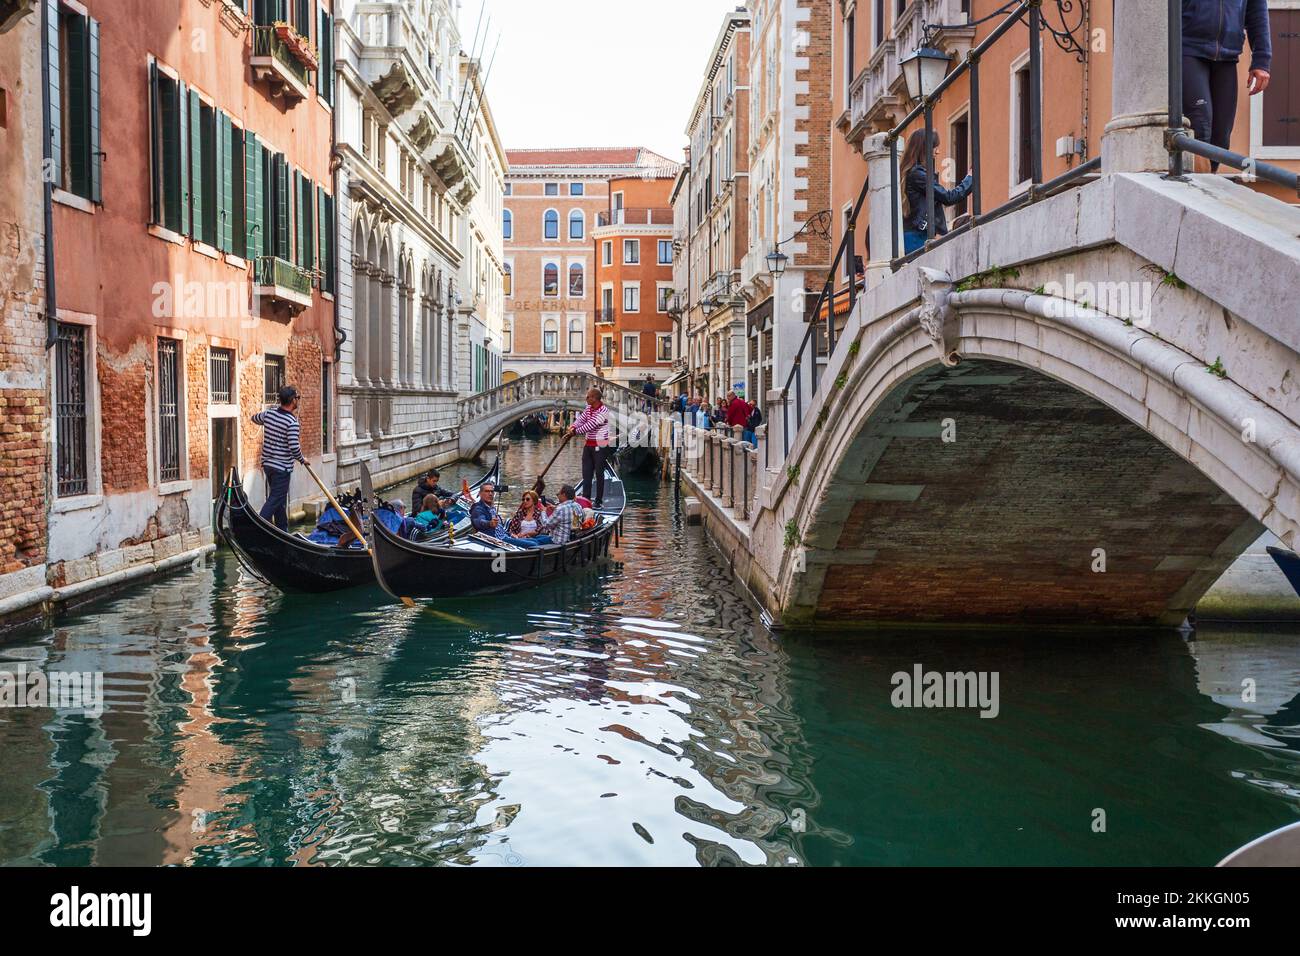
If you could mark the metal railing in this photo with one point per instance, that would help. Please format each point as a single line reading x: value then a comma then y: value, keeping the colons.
x: 1179, y: 141
x: 604, y: 313
x: 282, y: 274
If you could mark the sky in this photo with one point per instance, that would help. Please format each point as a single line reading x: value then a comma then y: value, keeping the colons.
x: 596, y: 72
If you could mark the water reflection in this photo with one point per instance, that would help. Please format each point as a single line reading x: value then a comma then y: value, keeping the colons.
x: 635, y: 713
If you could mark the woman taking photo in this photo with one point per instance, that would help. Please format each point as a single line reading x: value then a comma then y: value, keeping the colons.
x: 915, y: 223
x: 527, y: 520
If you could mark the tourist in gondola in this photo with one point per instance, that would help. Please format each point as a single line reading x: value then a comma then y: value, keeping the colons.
x: 487, y: 520
x: 280, y: 449
x: 528, y: 520
x: 430, y: 516
x: 594, y: 424
x: 428, y: 485
x: 559, y: 526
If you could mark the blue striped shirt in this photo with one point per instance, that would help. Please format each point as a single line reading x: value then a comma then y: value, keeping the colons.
x: 280, y: 445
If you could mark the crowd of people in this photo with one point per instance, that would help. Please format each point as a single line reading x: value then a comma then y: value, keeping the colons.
x: 725, y: 412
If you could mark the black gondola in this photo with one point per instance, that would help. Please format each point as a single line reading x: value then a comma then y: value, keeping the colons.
x: 476, y: 564
x: 289, y: 561
x: 1289, y: 562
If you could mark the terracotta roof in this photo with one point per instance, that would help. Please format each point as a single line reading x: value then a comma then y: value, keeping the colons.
x: 587, y: 156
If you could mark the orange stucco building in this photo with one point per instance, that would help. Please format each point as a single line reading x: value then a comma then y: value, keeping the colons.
x: 193, y: 249
x: 634, y: 279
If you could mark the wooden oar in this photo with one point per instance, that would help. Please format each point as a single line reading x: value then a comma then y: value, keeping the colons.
x: 339, y: 508
x: 539, y: 486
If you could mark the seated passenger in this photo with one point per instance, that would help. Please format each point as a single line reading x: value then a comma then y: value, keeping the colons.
x: 487, y: 520
x: 527, y: 520
x: 429, y: 519
x: 428, y: 485
x: 564, y: 521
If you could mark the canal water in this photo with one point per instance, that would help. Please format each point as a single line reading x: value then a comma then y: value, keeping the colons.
x: 636, y: 713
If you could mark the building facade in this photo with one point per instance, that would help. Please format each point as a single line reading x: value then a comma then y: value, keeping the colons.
x: 712, y: 217
x: 553, y: 198
x: 482, y: 310
x: 24, y: 372
x: 192, y: 277
x: 790, y: 119
x: 633, y: 253
x: 406, y: 178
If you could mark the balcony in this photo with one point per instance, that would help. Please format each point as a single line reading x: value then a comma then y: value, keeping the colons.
x: 282, y: 282
x: 605, y: 315
x: 634, y: 216
x: 454, y: 164
x: 283, y: 63
x: 878, y: 97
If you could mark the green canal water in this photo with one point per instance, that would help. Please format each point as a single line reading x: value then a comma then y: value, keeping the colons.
x: 638, y: 713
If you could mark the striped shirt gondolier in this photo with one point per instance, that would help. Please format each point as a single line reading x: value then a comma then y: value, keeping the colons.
x: 594, y: 424
x: 280, y: 445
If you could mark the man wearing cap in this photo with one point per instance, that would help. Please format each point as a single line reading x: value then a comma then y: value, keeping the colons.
x: 280, y: 449
x: 428, y: 485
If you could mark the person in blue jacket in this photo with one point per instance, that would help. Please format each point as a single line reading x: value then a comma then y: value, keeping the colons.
x: 915, y: 212
x: 1214, y: 33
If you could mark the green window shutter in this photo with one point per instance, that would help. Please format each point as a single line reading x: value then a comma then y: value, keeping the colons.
x: 55, y: 91
x: 325, y: 46
x: 298, y: 246
x: 324, y: 222
x: 211, y: 175
x: 196, y: 165
x: 77, y: 118
x: 156, y: 186
x: 309, y: 223
x: 182, y: 137
x: 226, y: 186
x: 252, y: 195
x: 283, y: 237
x: 96, y: 160
x: 236, y: 203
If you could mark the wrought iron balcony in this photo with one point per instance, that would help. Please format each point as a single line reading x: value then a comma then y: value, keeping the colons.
x: 605, y: 315
x: 282, y: 281
x: 282, y: 65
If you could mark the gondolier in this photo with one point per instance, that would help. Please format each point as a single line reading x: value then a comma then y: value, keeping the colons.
x: 280, y: 449
x: 594, y: 424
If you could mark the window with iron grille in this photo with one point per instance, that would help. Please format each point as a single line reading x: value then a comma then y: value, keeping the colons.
x: 221, y: 376
x: 326, y: 409
x: 70, y: 423
x: 169, y: 410
x: 273, y: 379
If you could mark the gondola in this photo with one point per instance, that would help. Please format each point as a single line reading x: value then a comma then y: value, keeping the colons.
x: 475, y: 564
x: 292, y: 562
x: 638, y: 460
x: 1289, y: 562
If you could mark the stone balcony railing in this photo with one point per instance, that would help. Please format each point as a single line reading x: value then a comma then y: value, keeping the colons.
x: 878, y: 95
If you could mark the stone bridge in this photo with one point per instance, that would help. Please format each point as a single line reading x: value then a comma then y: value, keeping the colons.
x: 1079, y: 413
x: 483, y: 415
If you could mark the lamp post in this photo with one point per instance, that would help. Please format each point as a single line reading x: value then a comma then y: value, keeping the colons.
x: 923, y: 70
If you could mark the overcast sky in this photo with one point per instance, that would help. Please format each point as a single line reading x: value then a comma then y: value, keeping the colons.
x: 596, y: 72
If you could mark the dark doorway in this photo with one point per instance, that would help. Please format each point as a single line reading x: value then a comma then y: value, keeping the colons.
x: 223, y: 453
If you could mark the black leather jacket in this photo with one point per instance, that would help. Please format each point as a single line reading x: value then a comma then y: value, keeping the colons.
x: 914, y: 185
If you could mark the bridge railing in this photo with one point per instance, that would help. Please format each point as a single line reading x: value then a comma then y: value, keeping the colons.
x: 566, y: 385
x: 722, y: 463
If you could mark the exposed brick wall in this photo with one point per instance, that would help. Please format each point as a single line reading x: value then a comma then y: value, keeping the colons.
x: 196, y: 400
x: 123, y: 412
x: 819, y: 103
x: 303, y: 371
x: 251, y: 383
x: 23, y: 462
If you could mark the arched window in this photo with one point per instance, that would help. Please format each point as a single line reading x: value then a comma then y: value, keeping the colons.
x: 551, y: 225
x: 507, y: 225
x: 576, y: 281
x: 551, y: 280
x: 577, y: 224
x: 550, y: 337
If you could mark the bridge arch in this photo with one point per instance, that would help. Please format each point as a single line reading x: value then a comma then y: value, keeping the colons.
x: 1097, y: 473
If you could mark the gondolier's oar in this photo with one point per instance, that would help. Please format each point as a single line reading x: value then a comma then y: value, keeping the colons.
x: 539, y: 486
x: 337, y: 507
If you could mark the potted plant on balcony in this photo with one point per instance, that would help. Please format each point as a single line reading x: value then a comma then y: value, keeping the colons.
x: 301, y: 47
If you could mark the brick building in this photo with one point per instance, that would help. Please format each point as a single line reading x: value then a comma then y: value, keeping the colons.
x: 790, y: 117
x: 193, y: 249
x: 24, y: 382
x: 553, y: 197
x: 633, y: 252
x: 711, y: 213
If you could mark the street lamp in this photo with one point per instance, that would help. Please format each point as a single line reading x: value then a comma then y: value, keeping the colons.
x: 776, y: 260
x: 924, y: 70
x: 707, y: 306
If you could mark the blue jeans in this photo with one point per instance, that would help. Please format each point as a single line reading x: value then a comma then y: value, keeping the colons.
x: 912, y: 240
x: 522, y: 542
x: 276, y: 509
x: 749, y: 437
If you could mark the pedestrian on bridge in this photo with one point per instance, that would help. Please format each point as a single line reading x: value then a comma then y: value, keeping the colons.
x: 916, y: 215
x: 1214, y: 34
x: 594, y: 424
